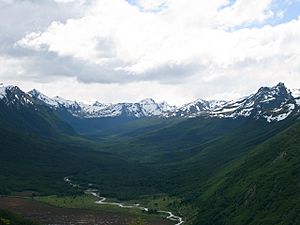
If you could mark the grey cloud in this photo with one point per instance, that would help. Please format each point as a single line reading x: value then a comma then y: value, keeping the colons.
x: 20, y: 17
x: 172, y: 73
x: 105, y: 48
x: 44, y: 65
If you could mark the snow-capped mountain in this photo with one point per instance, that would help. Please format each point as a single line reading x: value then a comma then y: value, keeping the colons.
x: 197, y: 108
x: 273, y: 104
x: 144, y: 108
x: 38, y: 95
x: 268, y: 103
x: 12, y: 95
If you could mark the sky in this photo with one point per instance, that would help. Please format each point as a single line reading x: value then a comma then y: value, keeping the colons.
x: 128, y: 50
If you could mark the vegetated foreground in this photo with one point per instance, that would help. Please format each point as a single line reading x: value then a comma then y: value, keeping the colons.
x: 46, y: 214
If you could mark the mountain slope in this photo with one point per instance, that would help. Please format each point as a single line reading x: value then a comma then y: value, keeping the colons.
x: 261, y: 188
x: 19, y: 111
x: 37, y: 163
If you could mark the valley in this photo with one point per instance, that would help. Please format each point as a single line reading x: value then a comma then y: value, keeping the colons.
x: 103, y: 201
x: 201, y: 164
x: 46, y: 214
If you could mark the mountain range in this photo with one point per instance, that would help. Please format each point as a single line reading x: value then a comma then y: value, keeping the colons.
x: 269, y: 103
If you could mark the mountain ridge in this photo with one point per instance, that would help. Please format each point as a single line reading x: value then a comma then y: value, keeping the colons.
x: 18, y: 110
x: 268, y: 103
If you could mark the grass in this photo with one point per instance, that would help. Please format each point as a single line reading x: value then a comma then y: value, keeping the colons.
x: 88, y: 202
x: 169, y: 203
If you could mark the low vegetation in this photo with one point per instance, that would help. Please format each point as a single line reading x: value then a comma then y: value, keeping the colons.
x: 8, y: 218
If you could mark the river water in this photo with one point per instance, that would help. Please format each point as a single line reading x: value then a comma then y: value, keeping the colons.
x: 103, y: 201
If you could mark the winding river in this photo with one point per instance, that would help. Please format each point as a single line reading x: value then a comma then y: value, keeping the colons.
x: 102, y: 200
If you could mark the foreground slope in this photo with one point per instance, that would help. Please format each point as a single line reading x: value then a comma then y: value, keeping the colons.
x: 260, y: 188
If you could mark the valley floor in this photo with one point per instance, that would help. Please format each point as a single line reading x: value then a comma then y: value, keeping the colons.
x: 46, y: 214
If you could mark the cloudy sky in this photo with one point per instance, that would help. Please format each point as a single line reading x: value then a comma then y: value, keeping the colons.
x: 127, y: 50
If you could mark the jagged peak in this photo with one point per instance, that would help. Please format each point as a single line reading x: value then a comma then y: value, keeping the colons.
x: 34, y: 93
x: 201, y: 100
x: 64, y: 101
x: 164, y: 103
x: 280, y: 84
x: 279, y: 87
x: 10, y: 87
x: 58, y: 98
x: 5, y: 90
x: 147, y: 101
x: 269, y: 93
x: 13, y: 95
x: 197, y: 101
x: 97, y: 103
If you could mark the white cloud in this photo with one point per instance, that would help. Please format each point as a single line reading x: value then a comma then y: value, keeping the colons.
x: 115, y: 32
x: 151, y: 5
x: 245, y: 12
x: 187, y: 46
x: 70, y: 1
x: 10, y: 67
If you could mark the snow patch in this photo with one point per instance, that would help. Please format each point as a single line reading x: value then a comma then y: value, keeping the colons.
x: 2, y: 92
x: 295, y: 93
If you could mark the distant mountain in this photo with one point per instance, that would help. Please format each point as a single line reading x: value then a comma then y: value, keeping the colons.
x: 197, y: 108
x: 12, y: 95
x: 272, y: 104
x: 268, y: 103
x: 20, y: 111
x: 144, y: 108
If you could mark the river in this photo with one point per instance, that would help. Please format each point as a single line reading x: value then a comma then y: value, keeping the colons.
x: 102, y: 200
